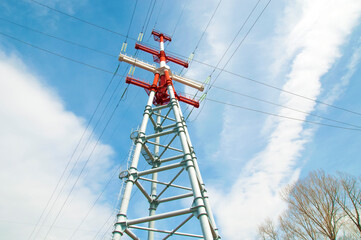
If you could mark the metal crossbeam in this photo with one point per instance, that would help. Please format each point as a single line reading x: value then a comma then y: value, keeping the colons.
x: 155, y: 135
x: 166, y: 146
x: 163, y: 183
x: 160, y: 169
x: 159, y: 216
x: 178, y: 227
x: 186, y: 195
x: 165, y: 117
x: 171, y: 181
x: 165, y: 231
x: 171, y: 158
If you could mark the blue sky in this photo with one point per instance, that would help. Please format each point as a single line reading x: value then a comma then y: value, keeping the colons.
x: 310, y: 48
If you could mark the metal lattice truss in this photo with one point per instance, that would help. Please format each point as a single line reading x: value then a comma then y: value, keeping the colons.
x: 175, y: 161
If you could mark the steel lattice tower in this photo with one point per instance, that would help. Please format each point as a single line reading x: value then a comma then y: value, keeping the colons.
x: 168, y: 163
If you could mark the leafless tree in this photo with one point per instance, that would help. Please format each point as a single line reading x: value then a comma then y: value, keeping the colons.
x: 294, y: 226
x: 312, y: 205
x: 267, y: 231
x: 349, y: 198
x: 320, y: 206
x: 349, y: 231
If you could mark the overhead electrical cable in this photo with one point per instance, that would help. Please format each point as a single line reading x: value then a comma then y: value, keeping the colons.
x: 94, y: 203
x: 129, y: 155
x: 221, y: 88
x: 281, y: 116
x: 245, y: 36
x: 191, y: 57
x: 104, y: 224
x: 82, y: 169
x: 238, y: 32
x: 58, y: 55
x: 290, y: 108
x: 80, y: 19
x: 157, y: 18
x: 205, y: 30
x: 58, y: 38
x: 81, y: 152
x: 91, y: 152
x: 225, y: 52
x: 87, y: 127
x: 72, y: 155
x: 150, y: 16
x: 206, y: 64
x: 131, y: 20
x: 179, y: 18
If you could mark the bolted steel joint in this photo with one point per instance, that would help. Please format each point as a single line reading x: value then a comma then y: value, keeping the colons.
x: 173, y: 102
x: 198, y: 208
x: 179, y: 128
x: 187, y: 161
x: 158, y: 128
x: 132, y: 175
x: 153, y: 204
x: 156, y: 163
x: 121, y: 225
x: 148, y: 110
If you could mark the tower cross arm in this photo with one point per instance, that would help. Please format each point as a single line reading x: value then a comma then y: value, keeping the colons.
x: 138, y: 63
x: 186, y: 81
x: 151, y: 68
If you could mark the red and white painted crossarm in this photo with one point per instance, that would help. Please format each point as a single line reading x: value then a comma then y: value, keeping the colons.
x: 138, y: 63
x: 158, y: 55
x: 151, y: 68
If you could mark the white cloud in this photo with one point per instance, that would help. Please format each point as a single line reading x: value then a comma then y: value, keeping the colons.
x: 351, y: 67
x: 37, y: 138
x: 315, y: 31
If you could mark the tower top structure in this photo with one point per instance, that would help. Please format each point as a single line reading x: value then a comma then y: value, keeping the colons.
x: 162, y: 74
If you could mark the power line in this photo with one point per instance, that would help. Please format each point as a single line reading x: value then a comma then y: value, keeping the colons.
x: 80, y: 19
x: 58, y: 55
x: 71, y: 157
x: 245, y: 36
x: 94, y: 203
x: 221, y: 88
x: 66, y: 59
x: 131, y: 20
x: 229, y: 46
x: 113, y: 132
x: 160, y: 10
x: 83, y: 149
x: 238, y: 32
x: 290, y: 108
x: 281, y: 116
x: 147, y: 18
x: 206, y: 64
x: 58, y: 38
x: 195, y: 49
x: 82, y: 169
x: 179, y: 18
x: 204, y: 31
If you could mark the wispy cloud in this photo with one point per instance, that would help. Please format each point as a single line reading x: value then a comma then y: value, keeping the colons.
x: 313, y: 34
x: 351, y: 67
x: 37, y: 138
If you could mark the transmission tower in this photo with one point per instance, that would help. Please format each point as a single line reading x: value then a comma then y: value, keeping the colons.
x: 170, y: 165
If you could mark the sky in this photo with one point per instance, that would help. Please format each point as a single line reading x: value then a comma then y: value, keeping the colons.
x: 290, y: 70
